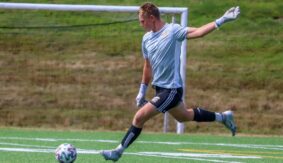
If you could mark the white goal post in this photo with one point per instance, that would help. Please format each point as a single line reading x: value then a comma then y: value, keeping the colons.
x: 68, y: 7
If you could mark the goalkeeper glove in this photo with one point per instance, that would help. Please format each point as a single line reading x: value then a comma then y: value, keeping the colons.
x: 229, y: 15
x: 140, y: 99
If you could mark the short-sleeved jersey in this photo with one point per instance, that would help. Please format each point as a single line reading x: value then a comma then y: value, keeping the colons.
x: 163, y: 50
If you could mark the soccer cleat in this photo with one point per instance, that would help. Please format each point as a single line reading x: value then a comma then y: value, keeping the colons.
x: 228, y: 121
x: 113, y: 155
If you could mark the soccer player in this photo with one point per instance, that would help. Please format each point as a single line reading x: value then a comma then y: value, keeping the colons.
x: 161, y: 46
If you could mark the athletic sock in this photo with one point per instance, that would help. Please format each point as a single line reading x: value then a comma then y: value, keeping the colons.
x: 130, y: 137
x: 202, y: 115
x: 120, y: 148
x: 218, y: 117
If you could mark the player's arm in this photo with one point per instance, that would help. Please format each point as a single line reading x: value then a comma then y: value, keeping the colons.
x: 229, y: 15
x: 201, y: 31
x: 146, y: 77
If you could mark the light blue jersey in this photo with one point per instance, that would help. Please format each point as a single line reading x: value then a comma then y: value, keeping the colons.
x: 163, y: 49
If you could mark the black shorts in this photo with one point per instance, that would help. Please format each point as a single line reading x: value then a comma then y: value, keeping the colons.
x: 165, y: 99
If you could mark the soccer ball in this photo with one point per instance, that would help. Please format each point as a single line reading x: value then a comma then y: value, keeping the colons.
x: 66, y: 153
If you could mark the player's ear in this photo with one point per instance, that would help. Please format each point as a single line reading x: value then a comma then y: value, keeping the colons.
x: 151, y: 17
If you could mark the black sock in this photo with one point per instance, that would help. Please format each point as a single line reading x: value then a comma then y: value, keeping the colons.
x: 202, y: 115
x: 131, y: 136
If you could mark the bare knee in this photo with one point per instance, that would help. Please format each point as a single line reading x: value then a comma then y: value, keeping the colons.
x: 138, y: 121
x: 144, y: 114
x: 182, y: 115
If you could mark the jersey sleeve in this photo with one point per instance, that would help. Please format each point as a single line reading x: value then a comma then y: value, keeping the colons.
x: 180, y: 32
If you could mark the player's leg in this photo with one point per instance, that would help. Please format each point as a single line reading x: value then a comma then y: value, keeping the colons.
x: 144, y: 114
x: 181, y: 114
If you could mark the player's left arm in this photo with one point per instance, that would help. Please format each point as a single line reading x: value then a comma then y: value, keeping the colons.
x: 201, y: 31
x: 229, y: 15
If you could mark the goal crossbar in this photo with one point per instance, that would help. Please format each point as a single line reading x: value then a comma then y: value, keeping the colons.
x: 104, y: 8
x: 72, y: 7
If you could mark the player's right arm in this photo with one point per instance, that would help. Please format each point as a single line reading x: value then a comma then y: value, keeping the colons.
x: 146, y: 77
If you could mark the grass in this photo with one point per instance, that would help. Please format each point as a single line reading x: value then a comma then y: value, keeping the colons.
x: 179, y: 148
x: 78, y: 77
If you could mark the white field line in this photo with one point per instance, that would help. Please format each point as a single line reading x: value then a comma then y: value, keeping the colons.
x: 253, y: 146
x: 174, y: 155
x: 200, y: 155
x: 181, y: 156
x: 184, y: 158
x: 56, y: 140
x: 25, y: 145
x: 87, y: 151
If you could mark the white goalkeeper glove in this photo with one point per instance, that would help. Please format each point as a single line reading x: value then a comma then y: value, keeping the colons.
x: 229, y: 15
x: 140, y: 99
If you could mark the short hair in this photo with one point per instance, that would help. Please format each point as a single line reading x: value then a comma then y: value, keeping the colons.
x: 148, y: 9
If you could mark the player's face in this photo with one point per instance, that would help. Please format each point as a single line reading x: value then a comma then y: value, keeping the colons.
x: 146, y: 22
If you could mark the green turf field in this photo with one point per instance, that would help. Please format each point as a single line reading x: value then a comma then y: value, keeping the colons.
x: 29, y: 145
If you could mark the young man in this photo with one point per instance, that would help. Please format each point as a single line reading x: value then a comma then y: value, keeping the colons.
x: 161, y: 52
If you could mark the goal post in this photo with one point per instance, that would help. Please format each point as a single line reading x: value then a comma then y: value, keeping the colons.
x: 104, y: 8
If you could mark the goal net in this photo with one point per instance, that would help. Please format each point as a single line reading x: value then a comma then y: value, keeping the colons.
x: 74, y: 65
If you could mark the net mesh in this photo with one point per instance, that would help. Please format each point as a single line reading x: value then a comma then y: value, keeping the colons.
x: 70, y: 69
